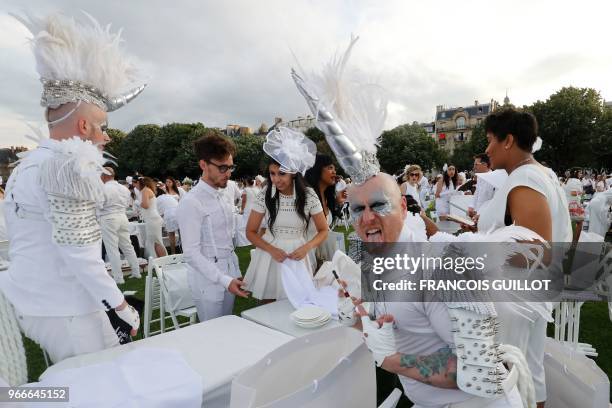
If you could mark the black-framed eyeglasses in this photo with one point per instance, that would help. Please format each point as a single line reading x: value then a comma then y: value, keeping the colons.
x: 223, y: 168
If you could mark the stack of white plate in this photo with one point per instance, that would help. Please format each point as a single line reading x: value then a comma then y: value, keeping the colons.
x: 311, y: 317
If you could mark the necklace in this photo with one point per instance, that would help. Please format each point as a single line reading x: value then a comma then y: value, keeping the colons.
x: 519, y: 164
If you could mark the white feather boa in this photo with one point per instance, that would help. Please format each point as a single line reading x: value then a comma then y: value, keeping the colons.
x: 74, y: 170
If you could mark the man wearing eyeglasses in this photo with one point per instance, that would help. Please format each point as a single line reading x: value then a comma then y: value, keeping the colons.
x: 207, y: 225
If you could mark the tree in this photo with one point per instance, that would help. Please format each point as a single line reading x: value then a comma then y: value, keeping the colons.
x: 568, y: 125
x: 134, y: 154
x: 116, y: 139
x: 250, y: 158
x: 263, y: 129
x: 409, y: 144
x: 463, y: 155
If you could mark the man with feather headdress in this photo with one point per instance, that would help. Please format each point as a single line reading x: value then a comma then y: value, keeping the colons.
x: 57, y: 281
x: 425, y: 342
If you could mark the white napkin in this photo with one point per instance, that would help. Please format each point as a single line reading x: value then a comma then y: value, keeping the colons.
x: 301, y: 291
x: 146, y: 377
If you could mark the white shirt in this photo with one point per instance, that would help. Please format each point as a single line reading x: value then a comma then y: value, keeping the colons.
x: 231, y: 192
x: 544, y: 181
x: 207, y: 227
x: 422, y: 328
x: 484, y: 192
x: 599, y: 208
x: 44, y: 278
x: 117, y: 199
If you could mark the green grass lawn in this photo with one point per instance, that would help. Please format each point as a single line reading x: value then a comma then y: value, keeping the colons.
x: 595, y: 327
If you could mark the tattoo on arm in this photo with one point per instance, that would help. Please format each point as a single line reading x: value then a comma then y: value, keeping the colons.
x: 442, y: 362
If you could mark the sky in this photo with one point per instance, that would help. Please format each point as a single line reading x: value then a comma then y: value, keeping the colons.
x: 222, y: 62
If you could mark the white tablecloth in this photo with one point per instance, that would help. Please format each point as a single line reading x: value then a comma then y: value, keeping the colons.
x: 217, y: 349
x: 275, y: 315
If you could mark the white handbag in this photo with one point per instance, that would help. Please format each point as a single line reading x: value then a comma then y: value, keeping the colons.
x: 328, y: 368
x: 573, y: 380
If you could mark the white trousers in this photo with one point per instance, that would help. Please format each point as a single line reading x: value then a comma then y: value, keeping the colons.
x: 115, y: 231
x: 527, y: 336
x: 212, y: 299
x: 63, y: 337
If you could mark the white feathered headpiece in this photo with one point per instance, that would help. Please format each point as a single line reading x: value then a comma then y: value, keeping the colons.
x: 291, y: 149
x: 350, y: 112
x: 81, y: 62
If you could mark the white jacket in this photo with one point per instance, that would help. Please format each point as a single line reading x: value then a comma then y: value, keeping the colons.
x: 56, y: 269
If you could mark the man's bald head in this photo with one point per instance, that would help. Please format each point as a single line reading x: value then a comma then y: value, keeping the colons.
x: 378, y: 209
x: 83, y: 119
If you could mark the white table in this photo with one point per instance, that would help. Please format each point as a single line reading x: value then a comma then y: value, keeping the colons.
x: 275, y: 315
x: 448, y: 226
x: 138, y: 229
x: 217, y: 349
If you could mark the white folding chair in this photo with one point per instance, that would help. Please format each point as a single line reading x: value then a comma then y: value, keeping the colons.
x: 167, y: 290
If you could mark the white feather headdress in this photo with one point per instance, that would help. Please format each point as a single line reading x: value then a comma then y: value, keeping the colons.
x: 81, y: 62
x: 350, y: 112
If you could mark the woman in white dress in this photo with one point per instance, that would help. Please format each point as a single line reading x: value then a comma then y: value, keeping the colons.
x: 445, y: 188
x: 249, y: 196
x: 531, y: 197
x: 166, y: 206
x: 173, y: 190
x: 322, y: 178
x: 154, y: 244
x: 287, y: 205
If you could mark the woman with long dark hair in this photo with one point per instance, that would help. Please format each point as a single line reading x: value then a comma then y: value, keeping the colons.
x: 288, y: 205
x: 173, y: 189
x: 322, y: 178
x: 445, y: 188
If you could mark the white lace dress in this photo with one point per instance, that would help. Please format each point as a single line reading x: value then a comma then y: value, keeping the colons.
x: 289, y: 232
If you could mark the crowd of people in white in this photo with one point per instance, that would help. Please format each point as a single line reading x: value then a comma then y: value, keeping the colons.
x: 61, y: 203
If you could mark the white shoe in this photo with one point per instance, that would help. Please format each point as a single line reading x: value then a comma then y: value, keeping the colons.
x: 136, y: 276
x: 120, y: 281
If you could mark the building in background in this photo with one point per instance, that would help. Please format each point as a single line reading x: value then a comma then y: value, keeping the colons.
x: 301, y: 123
x: 453, y: 126
x: 237, y: 130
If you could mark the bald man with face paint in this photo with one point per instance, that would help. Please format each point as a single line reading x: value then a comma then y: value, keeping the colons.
x: 426, y: 363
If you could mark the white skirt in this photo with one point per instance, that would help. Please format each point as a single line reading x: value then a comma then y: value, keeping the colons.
x: 263, y: 276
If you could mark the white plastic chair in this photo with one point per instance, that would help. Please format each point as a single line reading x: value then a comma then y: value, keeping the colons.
x: 13, y: 367
x: 166, y: 282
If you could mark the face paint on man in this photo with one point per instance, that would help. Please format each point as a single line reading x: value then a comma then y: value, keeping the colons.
x: 378, y: 209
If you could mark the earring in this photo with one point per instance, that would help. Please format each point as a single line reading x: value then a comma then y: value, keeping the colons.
x: 273, y: 192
